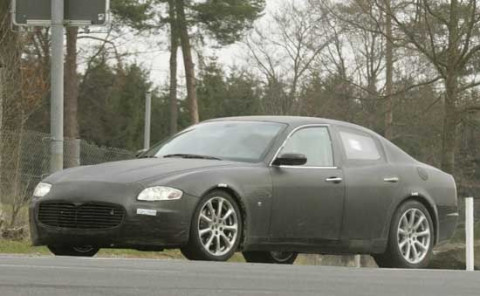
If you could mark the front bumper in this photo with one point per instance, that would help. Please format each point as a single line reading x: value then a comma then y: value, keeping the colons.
x: 169, y: 227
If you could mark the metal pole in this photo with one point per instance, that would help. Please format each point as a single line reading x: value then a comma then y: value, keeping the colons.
x: 469, y: 233
x: 56, y: 105
x: 148, y: 117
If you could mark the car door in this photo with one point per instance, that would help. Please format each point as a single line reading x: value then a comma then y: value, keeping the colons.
x: 371, y: 184
x: 307, y: 203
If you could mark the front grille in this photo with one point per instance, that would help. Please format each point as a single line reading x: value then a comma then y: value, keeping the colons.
x: 84, y: 216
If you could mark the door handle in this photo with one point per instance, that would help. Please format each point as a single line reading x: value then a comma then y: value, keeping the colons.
x: 391, y: 180
x: 334, y: 179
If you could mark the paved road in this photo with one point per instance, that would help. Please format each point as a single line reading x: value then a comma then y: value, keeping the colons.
x: 54, y: 276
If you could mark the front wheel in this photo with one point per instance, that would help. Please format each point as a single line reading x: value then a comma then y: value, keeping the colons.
x: 411, y: 238
x: 270, y: 257
x: 83, y: 251
x: 215, y: 230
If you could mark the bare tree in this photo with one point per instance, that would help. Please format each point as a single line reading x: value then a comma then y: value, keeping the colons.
x: 285, y: 52
x: 446, y: 33
x: 358, y: 57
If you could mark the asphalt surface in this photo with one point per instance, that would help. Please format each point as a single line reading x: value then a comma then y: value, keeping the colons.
x: 53, y: 276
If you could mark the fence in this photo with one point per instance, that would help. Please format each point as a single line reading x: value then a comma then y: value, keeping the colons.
x: 25, y: 160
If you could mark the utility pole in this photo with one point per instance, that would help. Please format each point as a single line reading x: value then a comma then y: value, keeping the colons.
x: 148, y: 119
x: 56, y: 104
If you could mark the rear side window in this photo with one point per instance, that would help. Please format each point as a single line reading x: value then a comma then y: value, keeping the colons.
x: 359, y: 147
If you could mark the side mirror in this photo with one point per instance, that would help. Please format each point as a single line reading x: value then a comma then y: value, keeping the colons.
x: 290, y: 159
x: 139, y: 153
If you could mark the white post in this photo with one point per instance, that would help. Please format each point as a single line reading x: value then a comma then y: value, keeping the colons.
x: 358, y: 262
x: 148, y: 116
x: 469, y: 233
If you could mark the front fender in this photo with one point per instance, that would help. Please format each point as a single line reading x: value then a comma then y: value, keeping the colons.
x: 252, y: 186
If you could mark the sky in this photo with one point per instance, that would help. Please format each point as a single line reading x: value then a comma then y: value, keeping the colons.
x: 153, y: 54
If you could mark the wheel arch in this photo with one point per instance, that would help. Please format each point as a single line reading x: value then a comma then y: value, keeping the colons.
x: 240, y: 203
x: 428, y: 203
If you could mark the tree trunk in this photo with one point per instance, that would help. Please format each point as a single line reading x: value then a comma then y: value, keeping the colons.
x: 17, y: 191
x: 2, y: 71
x: 451, y: 89
x: 389, y: 75
x: 187, y: 61
x: 71, y: 99
x: 173, y: 68
x: 449, y: 125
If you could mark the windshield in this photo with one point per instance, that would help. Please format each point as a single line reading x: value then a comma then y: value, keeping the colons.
x: 230, y: 140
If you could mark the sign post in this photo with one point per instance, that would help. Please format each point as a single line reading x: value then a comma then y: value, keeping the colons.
x: 77, y: 13
x: 57, y: 75
x: 57, y: 14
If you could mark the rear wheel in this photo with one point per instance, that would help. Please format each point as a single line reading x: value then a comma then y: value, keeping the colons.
x: 83, y: 251
x: 270, y: 257
x: 216, y: 228
x: 411, y: 238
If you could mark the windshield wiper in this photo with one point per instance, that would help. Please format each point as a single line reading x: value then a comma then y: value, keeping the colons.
x: 148, y: 156
x: 193, y: 156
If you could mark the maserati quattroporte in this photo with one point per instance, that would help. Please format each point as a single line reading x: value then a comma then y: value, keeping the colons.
x: 270, y: 187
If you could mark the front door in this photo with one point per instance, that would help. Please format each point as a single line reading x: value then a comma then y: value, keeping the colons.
x: 308, y: 199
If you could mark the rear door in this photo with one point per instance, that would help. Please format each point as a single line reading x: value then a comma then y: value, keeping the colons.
x: 308, y: 199
x: 371, y: 184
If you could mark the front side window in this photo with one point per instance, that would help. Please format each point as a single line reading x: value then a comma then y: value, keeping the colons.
x: 359, y: 147
x: 314, y: 143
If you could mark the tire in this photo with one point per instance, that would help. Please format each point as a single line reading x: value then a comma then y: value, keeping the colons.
x: 270, y: 257
x: 85, y: 251
x: 410, y: 244
x: 214, y: 235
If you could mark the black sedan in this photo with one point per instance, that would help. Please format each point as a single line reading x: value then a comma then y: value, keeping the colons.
x: 270, y: 187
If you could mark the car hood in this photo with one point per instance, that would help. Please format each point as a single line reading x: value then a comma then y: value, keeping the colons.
x: 134, y: 171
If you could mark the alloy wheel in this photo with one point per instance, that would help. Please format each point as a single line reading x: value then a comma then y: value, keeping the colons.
x: 413, y: 236
x: 83, y: 249
x: 281, y: 257
x: 218, y: 226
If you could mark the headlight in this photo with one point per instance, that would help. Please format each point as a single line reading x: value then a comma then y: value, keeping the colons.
x: 42, y: 189
x: 160, y: 193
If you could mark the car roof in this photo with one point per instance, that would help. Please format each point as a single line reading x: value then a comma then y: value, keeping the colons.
x: 296, y: 121
x: 293, y: 120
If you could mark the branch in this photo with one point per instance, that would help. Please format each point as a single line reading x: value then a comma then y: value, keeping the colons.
x: 464, y: 60
x: 470, y: 85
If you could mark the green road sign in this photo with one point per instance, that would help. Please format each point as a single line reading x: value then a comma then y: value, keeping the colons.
x: 77, y: 12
